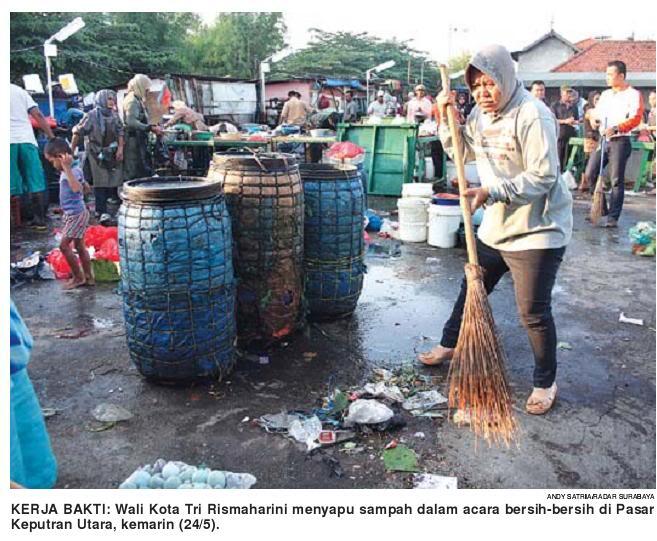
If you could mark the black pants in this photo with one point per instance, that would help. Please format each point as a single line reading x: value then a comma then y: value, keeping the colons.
x: 437, y: 158
x: 102, y: 195
x: 533, y: 273
x: 617, y: 152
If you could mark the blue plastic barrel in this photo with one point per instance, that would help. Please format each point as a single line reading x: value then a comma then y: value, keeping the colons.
x: 177, y: 278
x: 333, y: 239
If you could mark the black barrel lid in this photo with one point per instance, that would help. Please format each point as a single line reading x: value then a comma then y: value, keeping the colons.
x: 169, y: 189
x: 266, y: 162
x: 327, y: 171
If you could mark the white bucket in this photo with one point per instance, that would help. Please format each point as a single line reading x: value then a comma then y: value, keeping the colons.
x: 429, y: 171
x: 471, y: 173
x: 417, y: 189
x: 412, y: 219
x: 444, y: 221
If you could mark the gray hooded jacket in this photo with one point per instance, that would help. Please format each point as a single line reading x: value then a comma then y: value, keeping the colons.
x: 515, y: 150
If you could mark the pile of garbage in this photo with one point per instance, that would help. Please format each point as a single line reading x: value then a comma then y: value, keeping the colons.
x: 176, y: 474
x: 642, y: 236
x: 31, y: 267
x: 375, y: 407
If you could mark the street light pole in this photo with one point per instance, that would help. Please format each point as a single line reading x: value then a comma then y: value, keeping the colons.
x: 51, y: 50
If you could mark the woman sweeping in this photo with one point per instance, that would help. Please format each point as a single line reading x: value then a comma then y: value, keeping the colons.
x: 137, y: 127
x: 528, y: 208
x: 103, y: 130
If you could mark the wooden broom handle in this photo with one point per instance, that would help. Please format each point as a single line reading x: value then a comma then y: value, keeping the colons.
x: 460, y: 174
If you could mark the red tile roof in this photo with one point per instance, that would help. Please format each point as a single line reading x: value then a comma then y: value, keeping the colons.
x: 585, y: 43
x: 637, y: 55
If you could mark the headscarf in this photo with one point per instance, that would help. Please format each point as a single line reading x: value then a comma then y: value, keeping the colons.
x: 139, y: 85
x: 101, y: 101
x: 495, y: 61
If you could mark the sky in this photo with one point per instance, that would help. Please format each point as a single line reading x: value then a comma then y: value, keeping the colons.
x: 512, y: 23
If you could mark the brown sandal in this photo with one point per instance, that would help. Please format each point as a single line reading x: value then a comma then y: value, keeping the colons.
x: 436, y: 356
x: 540, y: 405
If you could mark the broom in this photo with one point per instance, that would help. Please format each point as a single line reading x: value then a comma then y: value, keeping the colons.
x: 599, y: 203
x: 477, y: 376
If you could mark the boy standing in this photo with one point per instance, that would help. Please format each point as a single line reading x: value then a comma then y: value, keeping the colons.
x: 76, y: 216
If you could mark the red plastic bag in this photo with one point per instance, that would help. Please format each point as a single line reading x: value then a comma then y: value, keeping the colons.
x: 109, y: 250
x: 58, y: 264
x: 96, y: 235
x: 347, y: 149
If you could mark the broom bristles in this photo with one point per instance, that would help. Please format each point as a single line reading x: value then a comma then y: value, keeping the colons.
x: 598, y: 203
x: 477, y: 374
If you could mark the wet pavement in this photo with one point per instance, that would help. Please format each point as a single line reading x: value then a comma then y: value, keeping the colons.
x: 601, y: 432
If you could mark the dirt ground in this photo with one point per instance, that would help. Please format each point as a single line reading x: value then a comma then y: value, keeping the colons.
x: 601, y: 434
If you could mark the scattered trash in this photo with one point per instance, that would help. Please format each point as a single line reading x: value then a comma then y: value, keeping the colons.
x: 335, y: 468
x: 306, y: 431
x: 380, y: 389
x: 623, y: 319
x: 309, y: 355
x: 392, y: 444
x: 263, y: 359
x: 102, y: 427
x: 367, y: 412
x: 424, y: 401
x: 433, y: 264
x: 48, y: 412
x: 111, y: 413
x: 373, y: 221
x: 383, y: 374
x: 387, y: 248
x: 419, y: 435
x: 350, y: 445
x: 278, y: 422
x: 246, y: 419
x: 642, y: 236
x: 30, y: 268
x: 564, y: 345
x: 177, y: 475
x: 400, y: 458
x: 429, y: 480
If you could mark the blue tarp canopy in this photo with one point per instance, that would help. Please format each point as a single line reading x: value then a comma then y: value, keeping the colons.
x: 353, y: 83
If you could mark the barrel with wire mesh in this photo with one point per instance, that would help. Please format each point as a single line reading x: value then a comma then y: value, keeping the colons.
x: 177, y: 278
x: 333, y: 239
x: 265, y: 202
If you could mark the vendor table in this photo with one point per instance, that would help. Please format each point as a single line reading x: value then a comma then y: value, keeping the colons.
x: 300, y: 139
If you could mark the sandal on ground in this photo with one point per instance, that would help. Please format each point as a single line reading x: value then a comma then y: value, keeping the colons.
x: 436, y: 356
x: 541, y: 400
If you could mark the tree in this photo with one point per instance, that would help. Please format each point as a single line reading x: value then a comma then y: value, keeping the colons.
x: 110, y: 49
x: 235, y: 44
x: 345, y: 54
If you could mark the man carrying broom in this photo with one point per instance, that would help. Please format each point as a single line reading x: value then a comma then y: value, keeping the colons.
x: 528, y: 208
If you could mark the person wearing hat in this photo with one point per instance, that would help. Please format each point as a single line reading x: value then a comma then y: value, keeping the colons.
x: 420, y: 105
x: 295, y: 111
x: 567, y: 117
x: 378, y: 106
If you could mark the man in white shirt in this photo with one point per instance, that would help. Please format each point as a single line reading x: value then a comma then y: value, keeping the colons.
x: 378, y: 106
x: 26, y: 173
x: 419, y: 105
x: 618, y: 112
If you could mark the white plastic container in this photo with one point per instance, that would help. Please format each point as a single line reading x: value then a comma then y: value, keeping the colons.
x: 444, y: 221
x: 429, y: 171
x: 417, y: 189
x: 412, y: 219
x: 471, y: 173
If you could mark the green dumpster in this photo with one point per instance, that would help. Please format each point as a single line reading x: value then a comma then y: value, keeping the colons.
x: 389, y: 154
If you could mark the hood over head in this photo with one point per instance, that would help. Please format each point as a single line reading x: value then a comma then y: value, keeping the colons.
x: 139, y: 85
x: 496, y: 62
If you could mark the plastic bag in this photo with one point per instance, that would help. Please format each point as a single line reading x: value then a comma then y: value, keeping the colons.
x: 58, y: 263
x: 344, y: 150
x: 570, y: 180
x: 96, y: 235
x: 367, y: 412
x: 109, y: 251
x: 642, y: 236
